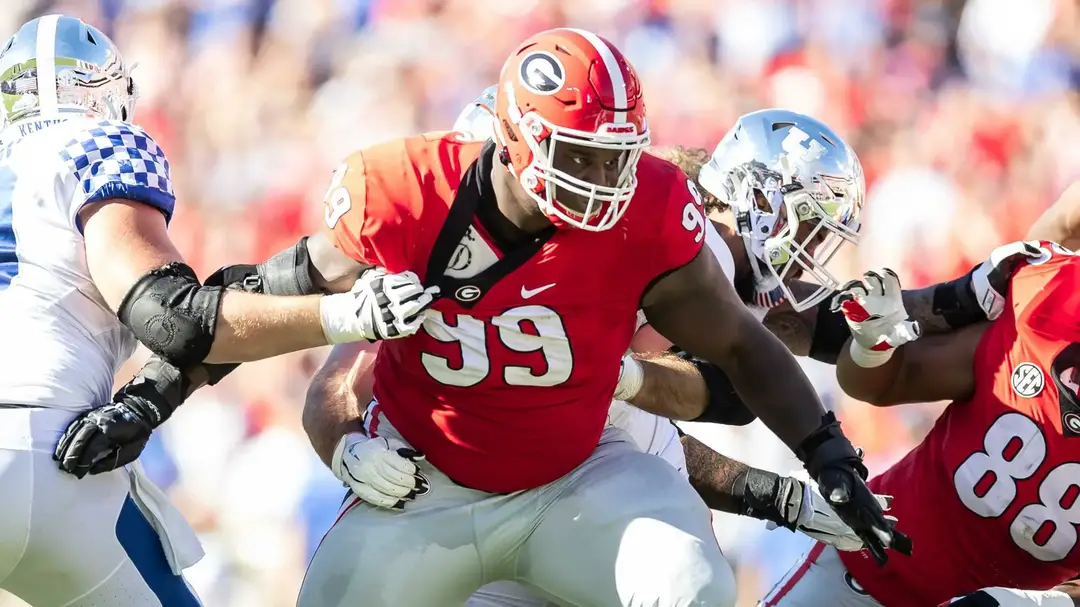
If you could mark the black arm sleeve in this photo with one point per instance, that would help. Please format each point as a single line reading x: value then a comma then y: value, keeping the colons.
x: 287, y: 273
x: 725, y: 407
x: 831, y: 332
x: 955, y: 302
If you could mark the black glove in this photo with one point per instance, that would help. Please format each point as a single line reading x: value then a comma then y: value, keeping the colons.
x: 839, y: 471
x: 114, y: 435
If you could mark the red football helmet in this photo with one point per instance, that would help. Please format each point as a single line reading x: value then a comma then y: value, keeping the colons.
x: 572, y: 87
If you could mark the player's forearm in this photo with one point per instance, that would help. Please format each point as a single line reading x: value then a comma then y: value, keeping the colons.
x: 671, y: 387
x: 252, y: 327
x: 769, y: 380
x: 931, y: 368
x: 920, y: 305
x: 713, y: 475
x: 331, y: 408
x: 945, y: 307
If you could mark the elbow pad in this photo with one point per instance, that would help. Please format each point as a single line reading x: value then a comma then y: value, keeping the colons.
x: 287, y: 273
x: 172, y: 314
x: 725, y: 407
x: 831, y: 332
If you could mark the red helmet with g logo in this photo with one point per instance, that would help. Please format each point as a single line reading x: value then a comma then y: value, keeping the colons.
x: 569, y: 87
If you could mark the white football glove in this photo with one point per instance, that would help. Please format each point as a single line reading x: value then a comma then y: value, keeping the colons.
x: 379, y: 306
x: 990, y: 279
x: 380, y: 471
x: 813, y: 516
x: 1011, y: 597
x: 875, y: 312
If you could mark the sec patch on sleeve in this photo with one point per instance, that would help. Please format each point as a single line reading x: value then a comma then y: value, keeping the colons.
x: 118, y: 160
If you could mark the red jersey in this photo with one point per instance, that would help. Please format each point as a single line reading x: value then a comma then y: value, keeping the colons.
x: 989, y: 497
x: 508, y: 383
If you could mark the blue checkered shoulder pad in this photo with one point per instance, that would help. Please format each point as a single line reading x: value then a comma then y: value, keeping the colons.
x: 119, y: 160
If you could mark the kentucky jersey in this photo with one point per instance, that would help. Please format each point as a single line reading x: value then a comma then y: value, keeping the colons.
x: 62, y: 343
x: 990, y: 497
x: 508, y: 384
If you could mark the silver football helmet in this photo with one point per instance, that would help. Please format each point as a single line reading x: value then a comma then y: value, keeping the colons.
x: 796, y: 190
x: 477, y: 120
x: 59, y: 64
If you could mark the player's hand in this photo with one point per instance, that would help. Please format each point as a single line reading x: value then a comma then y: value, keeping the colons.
x: 114, y: 435
x: 380, y: 471
x: 1011, y: 597
x: 809, y: 512
x: 838, y: 469
x: 379, y: 306
x: 990, y: 279
x: 875, y: 312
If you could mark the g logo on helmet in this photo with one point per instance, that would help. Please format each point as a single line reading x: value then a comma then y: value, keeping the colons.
x: 542, y: 73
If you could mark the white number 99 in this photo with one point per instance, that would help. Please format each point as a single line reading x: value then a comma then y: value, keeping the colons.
x: 693, y: 214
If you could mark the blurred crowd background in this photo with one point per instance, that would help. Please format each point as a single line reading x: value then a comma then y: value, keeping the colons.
x: 965, y: 115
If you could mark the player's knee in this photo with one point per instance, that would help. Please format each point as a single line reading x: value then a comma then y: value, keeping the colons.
x: 674, y: 568
x: 712, y: 583
x: 702, y: 582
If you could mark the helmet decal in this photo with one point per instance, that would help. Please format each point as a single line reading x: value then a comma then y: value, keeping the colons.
x: 542, y: 73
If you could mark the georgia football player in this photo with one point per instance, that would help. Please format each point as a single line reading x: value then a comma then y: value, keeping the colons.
x: 86, y: 269
x: 532, y: 316
x: 531, y: 327
x: 1000, y: 463
x: 388, y: 480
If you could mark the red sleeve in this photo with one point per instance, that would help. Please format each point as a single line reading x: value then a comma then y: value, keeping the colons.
x: 682, y: 230
x: 364, y: 219
x: 1053, y: 298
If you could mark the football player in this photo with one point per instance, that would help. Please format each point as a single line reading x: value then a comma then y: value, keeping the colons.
x: 384, y: 478
x: 543, y: 247
x: 1000, y: 463
x: 86, y: 269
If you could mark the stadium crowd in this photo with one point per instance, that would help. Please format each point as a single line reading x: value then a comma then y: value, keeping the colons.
x: 965, y: 114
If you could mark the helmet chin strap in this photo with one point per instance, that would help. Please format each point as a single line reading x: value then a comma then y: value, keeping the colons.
x: 768, y: 292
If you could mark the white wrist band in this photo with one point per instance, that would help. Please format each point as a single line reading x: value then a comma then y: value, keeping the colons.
x: 631, y: 378
x: 331, y: 313
x: 868, y: 359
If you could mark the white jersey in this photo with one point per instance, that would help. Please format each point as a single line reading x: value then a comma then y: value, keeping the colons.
x: 652, y: 433
x: 63, y: 344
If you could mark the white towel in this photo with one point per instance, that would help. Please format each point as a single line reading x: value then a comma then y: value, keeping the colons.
x: 181, y: 545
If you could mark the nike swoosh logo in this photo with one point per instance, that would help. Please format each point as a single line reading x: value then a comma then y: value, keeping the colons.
x: 527, y: 293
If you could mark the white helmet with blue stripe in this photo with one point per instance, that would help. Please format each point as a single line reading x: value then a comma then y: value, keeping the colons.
x: 59, y: 64
x: 477, y: 120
